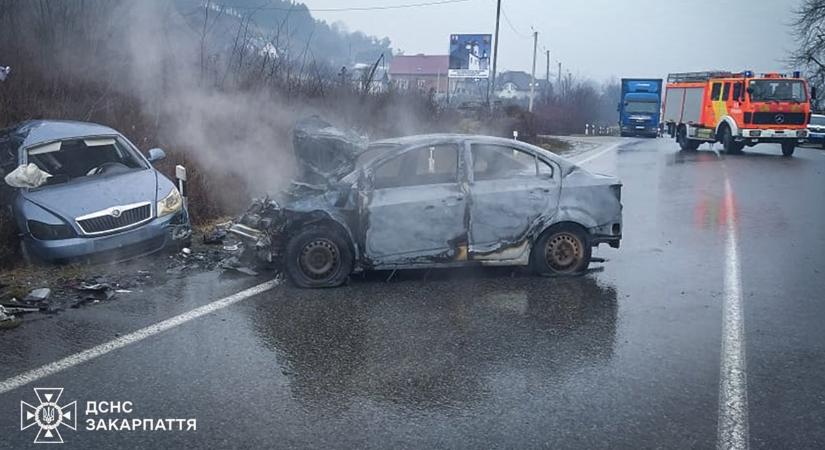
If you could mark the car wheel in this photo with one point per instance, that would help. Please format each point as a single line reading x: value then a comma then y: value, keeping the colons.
x: 561, y: 250
x: 788, y: 148
x: 318, y: 256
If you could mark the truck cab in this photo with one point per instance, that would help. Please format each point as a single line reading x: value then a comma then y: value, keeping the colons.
x: 639, y: 107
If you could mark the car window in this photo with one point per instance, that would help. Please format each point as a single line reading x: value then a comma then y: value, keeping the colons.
x: 435, y: 164
x: 737, y: 91
x: 726, y: 92
x: 495, y: 162
x: 545, y: 169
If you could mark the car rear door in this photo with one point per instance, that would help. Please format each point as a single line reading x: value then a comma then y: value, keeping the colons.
x: 415, y: 208
x: 510, y: 190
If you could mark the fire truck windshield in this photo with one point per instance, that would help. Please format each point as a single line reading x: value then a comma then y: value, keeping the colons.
x: 642, y: 107
x: 777, y: 90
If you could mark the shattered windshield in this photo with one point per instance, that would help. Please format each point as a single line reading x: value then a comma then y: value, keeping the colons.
x: 642, y: 107
x: 777, y: 90
x: 78, y: 158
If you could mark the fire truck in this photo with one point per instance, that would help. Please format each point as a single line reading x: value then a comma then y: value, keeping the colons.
x: 737, y: 109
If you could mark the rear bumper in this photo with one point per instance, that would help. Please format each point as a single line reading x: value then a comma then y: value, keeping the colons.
x: 148, y: 238
x: 610, y: 234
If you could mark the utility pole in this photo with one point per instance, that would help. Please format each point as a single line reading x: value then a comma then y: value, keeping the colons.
x: 558, y: 83
x: 533, y: 75
x: 492, y: 86
x: 547, y: 81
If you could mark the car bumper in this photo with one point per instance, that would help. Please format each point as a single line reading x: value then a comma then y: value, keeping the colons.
x: 640, y: 129
x: 610, y: 234
x: 816, y: 138
x: 148, y: 238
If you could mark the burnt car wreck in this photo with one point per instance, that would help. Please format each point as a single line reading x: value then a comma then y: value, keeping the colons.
x: 429, y: 201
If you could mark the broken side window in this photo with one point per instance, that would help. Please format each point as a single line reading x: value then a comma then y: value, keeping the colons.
x: 433, y: 164
x: 497, y: 162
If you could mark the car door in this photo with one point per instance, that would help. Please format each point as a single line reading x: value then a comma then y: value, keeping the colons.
x: 510, y: 189
x: 414, y: 209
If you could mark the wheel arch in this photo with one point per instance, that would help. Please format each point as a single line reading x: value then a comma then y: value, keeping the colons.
x: 324, y: 219
x: 730, y: 123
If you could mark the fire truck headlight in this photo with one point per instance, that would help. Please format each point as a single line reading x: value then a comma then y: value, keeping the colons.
x: 755, y: 133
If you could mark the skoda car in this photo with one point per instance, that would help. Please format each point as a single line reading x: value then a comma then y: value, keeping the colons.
x: 434, y: 201
x: 101, y: 200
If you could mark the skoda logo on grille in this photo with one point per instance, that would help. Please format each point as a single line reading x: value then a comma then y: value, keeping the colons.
x: 780, y: 118
x: 115, y: 213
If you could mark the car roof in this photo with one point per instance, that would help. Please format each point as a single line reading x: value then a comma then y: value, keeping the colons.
x: 34, y: 132
x: 425, y: 139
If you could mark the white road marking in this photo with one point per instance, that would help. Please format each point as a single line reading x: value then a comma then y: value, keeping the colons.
x: 733, y: 383
x: 139, y: 335
x: 592, y: 157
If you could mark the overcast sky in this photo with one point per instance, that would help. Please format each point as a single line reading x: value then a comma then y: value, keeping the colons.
x: 593, y: 38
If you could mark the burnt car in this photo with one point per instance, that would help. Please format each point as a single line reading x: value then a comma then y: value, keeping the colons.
x: 432, y: 201
x: 82, y: 192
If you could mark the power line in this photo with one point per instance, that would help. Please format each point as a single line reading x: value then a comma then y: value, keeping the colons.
x: 354, y: 8
x: 512, y: 27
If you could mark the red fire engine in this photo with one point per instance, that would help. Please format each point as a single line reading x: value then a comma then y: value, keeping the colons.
x: 737, y: 110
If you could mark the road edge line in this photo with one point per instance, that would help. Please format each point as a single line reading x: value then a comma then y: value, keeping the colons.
x: 599, y: 154
x: 732, y: 426
x: 131, y: 338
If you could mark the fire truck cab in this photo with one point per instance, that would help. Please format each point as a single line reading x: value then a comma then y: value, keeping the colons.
x: 737, y: 110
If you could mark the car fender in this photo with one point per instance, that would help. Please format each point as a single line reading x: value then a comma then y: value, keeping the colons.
x: 302, y: 218
x: 571, y: 214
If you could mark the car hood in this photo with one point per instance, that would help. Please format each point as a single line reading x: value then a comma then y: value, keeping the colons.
x: 82, y: 197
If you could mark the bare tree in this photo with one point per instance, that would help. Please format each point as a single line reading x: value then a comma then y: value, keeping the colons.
x: 809, y: 30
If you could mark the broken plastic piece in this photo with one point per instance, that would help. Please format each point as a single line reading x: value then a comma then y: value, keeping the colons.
x: 27, y: 176
x: 38, y: 295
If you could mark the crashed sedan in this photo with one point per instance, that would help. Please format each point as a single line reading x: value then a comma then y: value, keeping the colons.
x: 432, y: 201
x: 83, y: 192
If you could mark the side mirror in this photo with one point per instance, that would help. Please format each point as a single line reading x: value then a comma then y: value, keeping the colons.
x: 156, y: 154
x: 813, y: 92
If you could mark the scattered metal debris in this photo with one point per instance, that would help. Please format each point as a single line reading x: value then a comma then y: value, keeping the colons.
x: 8, y: 320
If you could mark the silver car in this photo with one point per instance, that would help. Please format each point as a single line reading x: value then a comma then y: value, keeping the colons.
x: 440, y: 201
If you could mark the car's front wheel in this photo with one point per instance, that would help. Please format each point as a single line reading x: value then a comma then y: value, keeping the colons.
x: 318, y: 256
x: 562, y: 250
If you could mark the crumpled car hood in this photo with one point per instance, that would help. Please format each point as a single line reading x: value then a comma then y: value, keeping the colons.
x: 324, y: 153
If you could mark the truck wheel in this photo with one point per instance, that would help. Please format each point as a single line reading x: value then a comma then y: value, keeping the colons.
x: 788, y: 148
x: 561, y: 250
x: 317, y: 257
x: 686, y: 143
x: 729, y: 144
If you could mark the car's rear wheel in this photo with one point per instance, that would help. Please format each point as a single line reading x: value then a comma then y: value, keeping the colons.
x: 318, y: 256
x: 562, y: 250
x: 788, y: 148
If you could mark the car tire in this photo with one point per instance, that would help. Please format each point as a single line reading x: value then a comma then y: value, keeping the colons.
x: 318, y: 257
x: 788, y: 148
x: 562, y: 250
x: 729, y: 144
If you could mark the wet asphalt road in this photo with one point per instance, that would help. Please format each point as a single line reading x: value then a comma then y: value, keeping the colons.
x: 626, y: 356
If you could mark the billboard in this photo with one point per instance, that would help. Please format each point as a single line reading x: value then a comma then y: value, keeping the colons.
x: 470, y: 55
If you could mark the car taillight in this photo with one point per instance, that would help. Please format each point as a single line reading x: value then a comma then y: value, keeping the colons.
x: 617, y: 191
